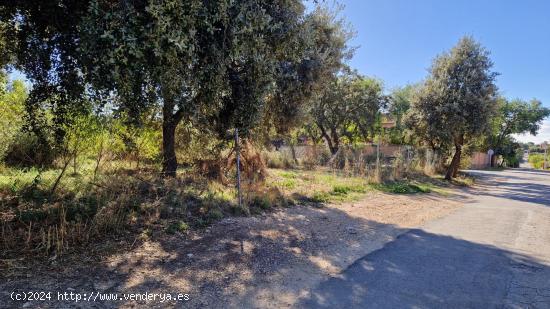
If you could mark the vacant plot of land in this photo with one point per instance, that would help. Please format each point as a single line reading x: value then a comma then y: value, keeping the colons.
x: 269, y: 260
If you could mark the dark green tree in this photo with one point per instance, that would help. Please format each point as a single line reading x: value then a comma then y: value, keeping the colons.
x: 216, y: 64
x: 457, y: 101
x: 348, y: 108
x: 400, y: 101
x: 41, y: 39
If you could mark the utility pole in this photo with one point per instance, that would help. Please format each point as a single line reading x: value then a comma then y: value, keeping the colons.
x: 238, y: 155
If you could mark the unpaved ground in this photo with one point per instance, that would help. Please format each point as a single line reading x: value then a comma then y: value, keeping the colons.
x: 267, y: 261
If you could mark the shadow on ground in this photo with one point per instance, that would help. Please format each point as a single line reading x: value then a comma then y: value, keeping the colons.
x: 239, y: 263
x: 424, y: 270
x: 532, y: 189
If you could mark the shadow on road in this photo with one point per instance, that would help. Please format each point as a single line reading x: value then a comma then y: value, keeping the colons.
x: 424, y: 270
x: 508, y: 184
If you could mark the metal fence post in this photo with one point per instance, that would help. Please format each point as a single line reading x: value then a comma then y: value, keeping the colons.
x: 238, y: 155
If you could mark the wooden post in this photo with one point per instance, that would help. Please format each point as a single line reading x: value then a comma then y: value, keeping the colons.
x: 238, y: 152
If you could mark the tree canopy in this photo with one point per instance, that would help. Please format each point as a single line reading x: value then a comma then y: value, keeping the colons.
x: 218, y: 64
x: 457, y: 100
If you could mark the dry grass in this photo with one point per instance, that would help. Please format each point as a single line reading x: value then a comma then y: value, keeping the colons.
x: 124, y: 198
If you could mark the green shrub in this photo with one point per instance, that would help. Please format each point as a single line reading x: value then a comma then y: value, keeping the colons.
x: 536, y: 160
x: 401, y: 188
x: 343, y: 189
x: 178, y: 226
x: 289, y: 184
x: 261, y: 202
x: 215, y: 214
x: 320, y: 197
x: 26, y: 150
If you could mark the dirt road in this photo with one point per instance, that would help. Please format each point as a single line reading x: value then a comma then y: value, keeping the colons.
x: 492, y: 253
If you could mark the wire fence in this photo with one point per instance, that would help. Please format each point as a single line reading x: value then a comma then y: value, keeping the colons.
x: 385, y: 162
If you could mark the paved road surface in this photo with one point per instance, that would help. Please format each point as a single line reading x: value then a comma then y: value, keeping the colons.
x: 493, y: 253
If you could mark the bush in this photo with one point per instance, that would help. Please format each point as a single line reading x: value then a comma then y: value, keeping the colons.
x: 320, y: 197
x: 537, y: 160
x: 26, y: 150
x: 343, y: 189
x: 178, y: 226
x: 399, y: 187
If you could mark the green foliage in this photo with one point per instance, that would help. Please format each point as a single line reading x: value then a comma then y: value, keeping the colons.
x: 331, y: 35
x: 320, y: 197
x: 140, y: 142
x: 46, y: 51
x: 456, y: 103
x: 401, y: 188
x: 349, y: 107
x: 27, y: 150
x: 537, y: 160
x: 178, y: 226
x: 514, y: 117
x: 6, y: 48
x: 216, y: 64
x: 18, y: 147
x: 346, y: 189
x: 261, y: 202
x: 518, y: 116
x: 399, y: 104
x: 12, y: 108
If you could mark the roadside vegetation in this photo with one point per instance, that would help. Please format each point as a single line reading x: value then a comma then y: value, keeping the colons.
x: 132, y: 117
x: 537, y: 160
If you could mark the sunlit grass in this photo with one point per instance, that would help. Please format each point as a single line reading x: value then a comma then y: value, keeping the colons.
x: 325, y: 186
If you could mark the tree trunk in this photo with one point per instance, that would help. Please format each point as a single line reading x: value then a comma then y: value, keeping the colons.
x: 58, y: 179
x: 74, y: 163
x: 293, y: 151
x: 335, y: 141
x: 332, y: 147
x: 453, y: 168
x: 98, y: 158
x: 457, y: 165
x: 169, y: 162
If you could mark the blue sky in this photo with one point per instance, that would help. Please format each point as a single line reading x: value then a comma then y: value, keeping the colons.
x: 397, y: 40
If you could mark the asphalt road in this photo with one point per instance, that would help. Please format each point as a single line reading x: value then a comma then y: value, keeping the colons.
x: 492, y: 253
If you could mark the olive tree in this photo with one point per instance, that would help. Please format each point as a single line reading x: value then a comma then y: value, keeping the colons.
x: 348, y: 108
x: 457, y: 101
x: 40, y: 39
x: 212, y: 63
x: 216, y: 64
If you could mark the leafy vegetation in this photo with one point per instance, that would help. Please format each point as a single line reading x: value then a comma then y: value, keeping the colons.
x: 537, y: 160
x: 128, y: 116
x: 402, y: 187
x: 456, y: 102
